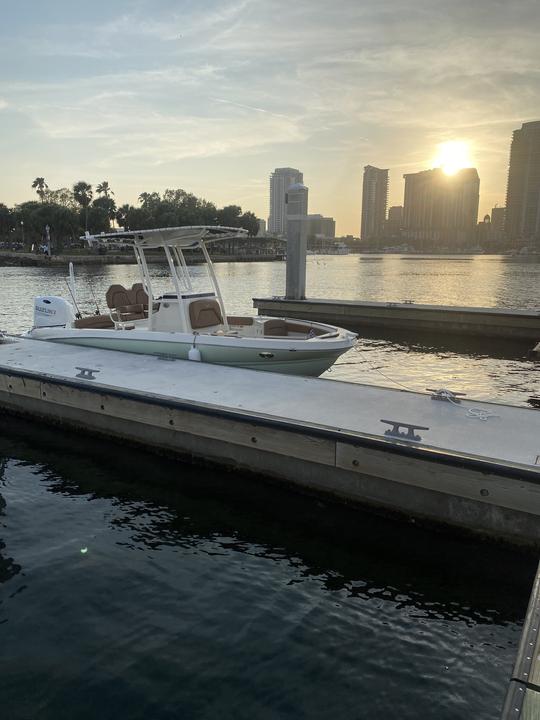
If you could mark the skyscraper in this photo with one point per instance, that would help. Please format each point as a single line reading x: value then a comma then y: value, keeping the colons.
x: 394, y: 221
x: 498, y: 215
x: 522, y: 219
x: 441, y: 210
x: 374, y: 200
x: 280, y: 181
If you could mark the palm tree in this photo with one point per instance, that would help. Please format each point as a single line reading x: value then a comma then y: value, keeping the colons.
x: 40, y: 186
x: 104, y: 188
x: 82, y: 192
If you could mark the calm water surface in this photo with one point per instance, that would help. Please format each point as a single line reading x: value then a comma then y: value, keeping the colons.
x: 484, y: 369
x: 137, y: 587
x: 132, y: 586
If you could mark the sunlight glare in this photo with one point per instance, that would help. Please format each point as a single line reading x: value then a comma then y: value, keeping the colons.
x: 452, y: 156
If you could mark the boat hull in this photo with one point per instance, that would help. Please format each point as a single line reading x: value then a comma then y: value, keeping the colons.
x: 293, y: 358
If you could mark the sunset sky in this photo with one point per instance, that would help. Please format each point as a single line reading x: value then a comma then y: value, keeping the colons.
x: 212, y: 96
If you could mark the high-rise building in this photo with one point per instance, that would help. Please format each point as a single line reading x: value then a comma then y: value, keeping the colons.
x: 522, y: 220
x: 498, y: 215
x: 280, y: 181
x: 394, y: 221
x: 374, y: 201
x: 318, y: 225
x: 441, y: 210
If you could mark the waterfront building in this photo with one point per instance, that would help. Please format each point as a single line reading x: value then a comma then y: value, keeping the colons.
x: 498, y: 215
x: 440, y: 211
x: 280, y: 181
x: 319, y: 226
x: 394, y: 221
x: 374, y: 202
x: 490, y: 232
x: 522, y: 220
x: 262, y: 227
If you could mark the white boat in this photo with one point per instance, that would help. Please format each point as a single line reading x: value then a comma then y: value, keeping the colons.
x: 185, y: 323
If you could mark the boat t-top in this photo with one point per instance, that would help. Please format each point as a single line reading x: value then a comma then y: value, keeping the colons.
x: 184, y: 323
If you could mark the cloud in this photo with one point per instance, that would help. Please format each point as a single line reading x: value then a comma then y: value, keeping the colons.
x: 155, y: 82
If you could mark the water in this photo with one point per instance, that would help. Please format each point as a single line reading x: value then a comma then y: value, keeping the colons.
x: 484, y: 369
x: 132, y: 586
x: 137, y: 587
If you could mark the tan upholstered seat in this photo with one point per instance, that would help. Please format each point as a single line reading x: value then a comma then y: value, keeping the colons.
x: 127, y: 305
x: 307, y: 329
x: 239, y: 320
x: 275, y: 328
x: 130, y: 312
x: 117, y: 296
x: 94, y: 322
x: 138, y: 295
x: 205, y: 313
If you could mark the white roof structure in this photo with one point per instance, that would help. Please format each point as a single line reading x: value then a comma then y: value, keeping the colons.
x: 180, y: 237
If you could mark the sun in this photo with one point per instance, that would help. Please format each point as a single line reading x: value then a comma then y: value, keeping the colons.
x: 452, y: 156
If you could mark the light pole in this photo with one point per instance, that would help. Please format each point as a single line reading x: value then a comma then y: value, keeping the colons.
x: 22, y: 231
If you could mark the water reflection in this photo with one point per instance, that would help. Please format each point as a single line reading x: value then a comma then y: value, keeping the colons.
x: 484, y: 369
x: 153, y: 504
x: 8, y: 567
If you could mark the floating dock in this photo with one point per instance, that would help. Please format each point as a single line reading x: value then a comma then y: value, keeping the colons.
x: 523, y: 696
x: 358, y: 315
x: 473, y: 465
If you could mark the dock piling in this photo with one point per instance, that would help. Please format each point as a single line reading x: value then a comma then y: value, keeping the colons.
x: 296, y: 259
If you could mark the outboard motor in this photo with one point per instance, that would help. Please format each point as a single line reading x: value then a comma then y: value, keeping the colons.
x: 52, y: 311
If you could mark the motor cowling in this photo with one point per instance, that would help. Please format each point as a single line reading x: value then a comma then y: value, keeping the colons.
x: 52, y: 311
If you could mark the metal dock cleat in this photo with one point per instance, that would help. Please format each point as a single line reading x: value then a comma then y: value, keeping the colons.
x: 410, y: 435
x: 446, y: 395
x: 86, y: 373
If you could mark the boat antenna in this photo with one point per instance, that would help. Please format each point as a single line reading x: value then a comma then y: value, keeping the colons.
x: 78, y: 315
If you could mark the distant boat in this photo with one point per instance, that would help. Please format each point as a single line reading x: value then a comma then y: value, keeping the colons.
x: 338, y: 248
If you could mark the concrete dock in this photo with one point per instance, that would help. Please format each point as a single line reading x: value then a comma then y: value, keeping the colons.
x: 523, y: 696
x: 472, y: 465
x: 358, y: 315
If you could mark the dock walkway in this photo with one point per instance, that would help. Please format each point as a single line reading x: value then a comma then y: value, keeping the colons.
x: 471, y: 464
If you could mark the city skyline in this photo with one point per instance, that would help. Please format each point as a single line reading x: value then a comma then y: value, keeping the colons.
x: 161, y: 94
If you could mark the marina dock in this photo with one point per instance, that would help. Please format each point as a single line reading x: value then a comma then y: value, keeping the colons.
x: 358, y: 315
x: 433, y: 456
x: 523, y: 696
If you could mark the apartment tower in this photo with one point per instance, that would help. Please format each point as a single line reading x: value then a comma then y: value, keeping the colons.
x: 440, y: 210
x: 522, y: 219
x: 374, y: 201
x: 280, y: 181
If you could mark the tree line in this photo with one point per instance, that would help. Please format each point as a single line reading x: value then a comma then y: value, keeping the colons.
x: 68, y: 213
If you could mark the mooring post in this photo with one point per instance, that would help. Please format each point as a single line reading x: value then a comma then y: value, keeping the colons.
x: 296, y: 259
